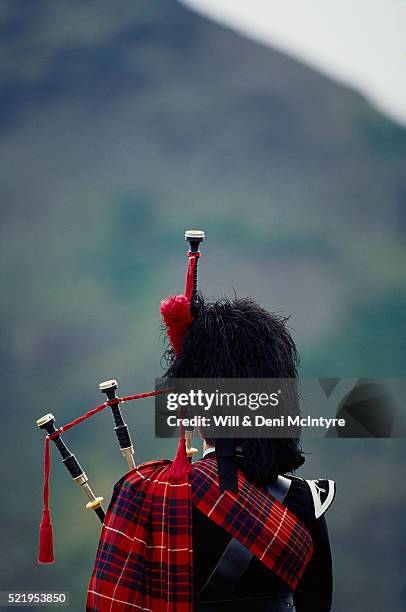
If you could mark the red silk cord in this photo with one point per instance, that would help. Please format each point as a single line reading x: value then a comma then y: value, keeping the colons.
x: 176, y: 315
x: 46, y: 546
x: 45, y: 549
x: 94, y: 411
x: 192, y: 261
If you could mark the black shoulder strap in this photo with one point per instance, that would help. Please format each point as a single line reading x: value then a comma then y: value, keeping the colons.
x: 228, y: 571
x: 235, y: 559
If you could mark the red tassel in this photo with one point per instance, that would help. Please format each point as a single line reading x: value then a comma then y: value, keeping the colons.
x: 46, y: 544
x: 175, y: 312
x: 46, y: 541
x: 181, y: 466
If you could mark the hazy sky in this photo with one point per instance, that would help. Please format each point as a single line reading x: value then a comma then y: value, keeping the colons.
x: 361, y: 43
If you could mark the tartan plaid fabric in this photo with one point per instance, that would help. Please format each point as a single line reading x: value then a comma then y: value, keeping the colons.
x: 144, y: 559
x: 260, y: 522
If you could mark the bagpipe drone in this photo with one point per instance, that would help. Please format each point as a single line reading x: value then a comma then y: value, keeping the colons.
x: 177, y: 313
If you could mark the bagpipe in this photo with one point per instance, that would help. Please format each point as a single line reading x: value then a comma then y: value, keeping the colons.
x: 177, y: 313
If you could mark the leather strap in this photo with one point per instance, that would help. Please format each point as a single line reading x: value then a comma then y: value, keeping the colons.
x: 228, y: 571
x: 279, y: 488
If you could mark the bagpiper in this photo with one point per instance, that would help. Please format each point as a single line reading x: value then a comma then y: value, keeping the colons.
x: 235, y: 529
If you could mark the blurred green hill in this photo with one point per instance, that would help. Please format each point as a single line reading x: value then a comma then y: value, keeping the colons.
x: 123, y: 124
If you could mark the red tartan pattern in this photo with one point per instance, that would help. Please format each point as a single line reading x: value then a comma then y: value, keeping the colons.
x: 144, y: 559
x: 256, y: 519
